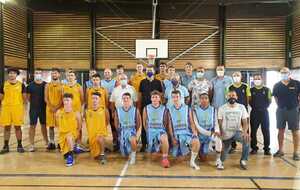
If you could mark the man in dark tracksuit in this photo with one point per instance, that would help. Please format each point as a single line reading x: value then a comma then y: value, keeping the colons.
x: 261, y: 98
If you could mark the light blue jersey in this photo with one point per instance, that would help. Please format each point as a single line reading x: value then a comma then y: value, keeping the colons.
x: 183, y: 94
x: 127, y: 124
x: 219, y: 88
x: 155, y: 126
x: 206, y: 120
x: 109, y: 85
x: 88, y: 84
x: 181, y: 129
x: 167, y: 83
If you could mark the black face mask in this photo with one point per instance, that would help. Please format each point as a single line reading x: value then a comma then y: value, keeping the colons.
x: 232, y: 100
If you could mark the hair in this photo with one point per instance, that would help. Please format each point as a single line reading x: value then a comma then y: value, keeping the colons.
x: 232, y: 91
x: 176, y: 92
x: 155, y: 92
x: 200, y: 67
x: 189, y: 63
x: 13, y: 69
x: 55, y: 69
x: 96, y: 94
x: 96, y: 76
x: 162, y: 63
x: 127, y: 94
x: 120, y: 67
x: 68, y: 95
x: 171, y: 67
x: 72, y: 71
x: 204, y: 94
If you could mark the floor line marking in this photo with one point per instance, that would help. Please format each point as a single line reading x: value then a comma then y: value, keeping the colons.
x: 122, y: 174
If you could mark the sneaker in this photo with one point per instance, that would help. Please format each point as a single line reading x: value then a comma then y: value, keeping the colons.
x: 296, y: 157
x: 20, y: 149
x: 102, y: 159
x: 79, y: 149
x: 5, y: 150
x: 278, y: 154
x: 31, y: 148
x: 253, y: 151
x: 69, y: 161
x: 194, y: 166
x: 165, y: 163
x: 219, y: 165
x: 51, y: 146
x: 243, y: 164
x: 267, y: 153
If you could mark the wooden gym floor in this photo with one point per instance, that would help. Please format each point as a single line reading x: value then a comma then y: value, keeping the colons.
x: 44, y: 170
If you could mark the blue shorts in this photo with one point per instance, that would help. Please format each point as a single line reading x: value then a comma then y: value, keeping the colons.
x: 204, y: 140
x: 183, y: 144
x: 124, y: 140
x: 153, y: 139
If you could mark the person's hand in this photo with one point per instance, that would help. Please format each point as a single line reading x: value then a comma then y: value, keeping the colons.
x: 246, y: 136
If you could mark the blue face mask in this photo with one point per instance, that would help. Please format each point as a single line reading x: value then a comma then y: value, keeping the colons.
x: 284, y: 76
x: 150, y: 74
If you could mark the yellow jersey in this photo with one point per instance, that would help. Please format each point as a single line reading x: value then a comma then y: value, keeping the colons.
x: 13, y: 94
x: 103, y: 98
x: 75, y: 91
x: 161, y: 77
x: 54, y: 91
x: 136, y: 80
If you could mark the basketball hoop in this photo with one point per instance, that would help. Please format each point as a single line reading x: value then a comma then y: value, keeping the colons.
x: 151, y: 59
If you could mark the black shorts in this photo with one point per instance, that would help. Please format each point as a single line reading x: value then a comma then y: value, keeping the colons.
x: 35, y: 114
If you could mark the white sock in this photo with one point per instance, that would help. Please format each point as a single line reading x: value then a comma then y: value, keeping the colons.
x: 192, y: 161
x: 132, y: 158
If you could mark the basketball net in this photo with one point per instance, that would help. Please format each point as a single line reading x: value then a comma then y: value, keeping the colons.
x: 151, y: 59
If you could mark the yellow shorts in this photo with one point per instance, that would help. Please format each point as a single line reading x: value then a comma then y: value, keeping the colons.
x: 63, y: 143
x: 94, y: 144
x: 50, y: 118
x: 12, y: 115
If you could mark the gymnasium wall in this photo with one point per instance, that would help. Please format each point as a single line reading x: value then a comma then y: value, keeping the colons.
x: 15, y: 36
x: 296, y: 41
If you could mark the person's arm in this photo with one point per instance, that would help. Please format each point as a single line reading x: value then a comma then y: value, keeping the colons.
x: 1, y: 93
x: 79, y: 121
x: 28, y: 92
x: 106, y: 97
x: 81, y: 95
x: 116, y: 120
x: 245, y: 126
x: 145, y: 117
x: 138, y: 125
x: 248, y: 94
x: 87, y: 97
x: 198, y: 127
x: 269, y: 96
x: 107, y: 118
x: 112, y: 101
x: 170, y: 130
x: 24, y: 94
x: 220, y: 121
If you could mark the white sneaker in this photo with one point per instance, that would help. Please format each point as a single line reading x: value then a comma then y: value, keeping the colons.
x: 243, y: 164
x: 31, y: 148
x: 194, y: 165
x: 219, y: 165
x: 132, y: 160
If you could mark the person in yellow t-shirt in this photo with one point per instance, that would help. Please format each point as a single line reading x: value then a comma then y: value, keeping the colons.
x: 12, y: 100
x: 162, y: 75
x: 137, y: 77
x: 53, y: 99
x: 96, y: 87
x: 69, y: 127
x: 97, y: 121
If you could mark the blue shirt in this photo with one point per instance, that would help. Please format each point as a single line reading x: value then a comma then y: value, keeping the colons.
x: 186, y: 79
x: 88, y: 84
x: 219, y: 88
x: 183, y: 94
x: 109, y: 85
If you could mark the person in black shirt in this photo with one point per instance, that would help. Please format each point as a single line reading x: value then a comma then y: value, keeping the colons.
x: 37, y: 110
x: 286, y: 93
x: 261, y: 98
x: 148, y: 85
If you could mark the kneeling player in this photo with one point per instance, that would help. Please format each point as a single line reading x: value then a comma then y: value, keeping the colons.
x: 97, y: 119
x: 182, y: 130
x: 207, y: 125
x: 128, y: 122
x: 69, y: 125
x: 155, y: 123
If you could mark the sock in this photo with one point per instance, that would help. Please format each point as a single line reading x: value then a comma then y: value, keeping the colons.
x: 6, y: 143
x: 194, y: 156
x: 218, y: 156
x: 19, y: 143
x: 133, y: 154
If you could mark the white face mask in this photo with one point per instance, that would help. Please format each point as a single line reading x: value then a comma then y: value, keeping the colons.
x: 236, y: 79
x: 257, y: 82
x: 123, y: 82
x: 38, y: 77
x: 200, y: 75
x: 220, y: 73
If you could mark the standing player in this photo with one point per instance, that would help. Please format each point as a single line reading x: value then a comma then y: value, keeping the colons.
x: 96, y: 87
x: 35, y: 93
x: 69, y: 127
x: 182, y: 130
x: 155, y: 122
x: 97, y: 119
x: 53, y: 99
x: 128, y: 122
x: 136, y: 78
x: 12, y: 99
x: 207, y: 124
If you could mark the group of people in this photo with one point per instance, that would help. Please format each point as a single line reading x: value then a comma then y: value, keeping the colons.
x: 170, y: 113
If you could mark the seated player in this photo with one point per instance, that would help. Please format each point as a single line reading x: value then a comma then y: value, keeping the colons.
x: 207, y: 125
x: 97, y: 119
x: 69, y: 126
x: 155, y: 122
x: 128, y: 123
x: 182, y: 130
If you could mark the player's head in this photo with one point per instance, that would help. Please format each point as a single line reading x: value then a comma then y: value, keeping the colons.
x: 123, y: 80
x: 220, y: 70
x: 92, y: 72
x: 188, y: 68
x: 126, y: 99
x: 171, y: 70
x: 120, y: 69
x: 203, y: 100
x: 13, y: 73
x: 162, y: 67
x: 55, y: 74
x: 67, y: 100
x: 155, y: 97
x: 38, y: 75
x: 232, y: 97
x: 71, y: 76
x: 176, y: 97
x: 96, y: 99
x: 107, y: 73
x: 237, y: 77
x: 96, y: 79
x: 139, y: 67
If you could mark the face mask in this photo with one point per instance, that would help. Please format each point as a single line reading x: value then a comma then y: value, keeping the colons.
x: 220, y: 73
x: 38, y: 77
x: 200, y: 75
x: 236, y: 79
x: 174, y: 82
x: 284, y: 76
x: 149, y: 74
x: 124, y: 82
x: 257, y: 82
x: 231, y: 100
